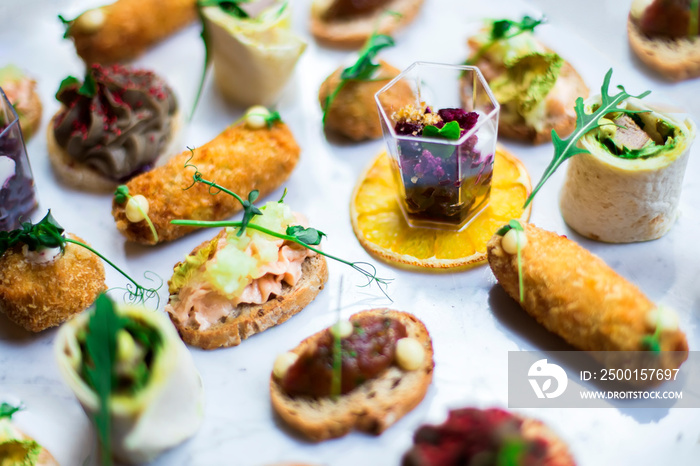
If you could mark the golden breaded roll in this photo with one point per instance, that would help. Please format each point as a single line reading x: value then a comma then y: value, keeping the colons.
x: 38, y: 295
x: 240, y: 158
x: 576, y: 295
x: 124, y: 29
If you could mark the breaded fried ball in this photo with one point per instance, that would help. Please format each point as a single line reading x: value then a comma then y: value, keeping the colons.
x: 353, y: 112
x: 39, y: 296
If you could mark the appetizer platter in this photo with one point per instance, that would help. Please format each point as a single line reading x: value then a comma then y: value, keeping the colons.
x: 291, y: 183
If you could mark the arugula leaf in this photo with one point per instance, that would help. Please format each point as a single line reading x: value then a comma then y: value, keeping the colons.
x: 7, y: 410
x: 69, y: 82
x: 121, y: 195
x: 229, y: 6
x: 567, y: 148
x: 89, y: 87
x: 306, y: 235
x: 101, y: 348
x: 363, y: 69
x: 450, y: 130
x: 505, y: 29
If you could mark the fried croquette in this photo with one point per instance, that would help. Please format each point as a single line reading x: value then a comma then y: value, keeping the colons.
x: 240, y: 159
x: 124, y: 29
x: 576, y: 295
x: 353, y: 111
x: 39, y: 296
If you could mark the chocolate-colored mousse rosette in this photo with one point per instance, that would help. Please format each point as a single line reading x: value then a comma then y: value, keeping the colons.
x: 117, y: 123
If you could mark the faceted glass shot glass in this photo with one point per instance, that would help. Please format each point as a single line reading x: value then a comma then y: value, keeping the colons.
x: 442, y: 183
x: 17, y: 195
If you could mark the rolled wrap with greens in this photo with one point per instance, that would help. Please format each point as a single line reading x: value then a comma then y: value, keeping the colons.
x: 156, y: 397
x: 627, y: 187
x: 253, y: 48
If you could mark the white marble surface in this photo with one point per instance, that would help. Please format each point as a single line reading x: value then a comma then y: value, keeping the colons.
x: 472, y: 322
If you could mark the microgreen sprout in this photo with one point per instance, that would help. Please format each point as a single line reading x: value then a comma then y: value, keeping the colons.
x: 336, y: 381
x: 505, y: 29
x: 306, y: 237
x: 121, y: 195
x: 47, y: 233
x: 517, y: 226
x: 653, y: 342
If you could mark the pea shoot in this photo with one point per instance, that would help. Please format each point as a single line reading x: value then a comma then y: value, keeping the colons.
x: 306, y: 237
x: 136, y: 208
x: 48, y: 233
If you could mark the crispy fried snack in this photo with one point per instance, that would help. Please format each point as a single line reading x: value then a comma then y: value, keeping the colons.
x: 38, y: 296
x: 576, y: 295
x: 126, y: 28
x: 240, y: 159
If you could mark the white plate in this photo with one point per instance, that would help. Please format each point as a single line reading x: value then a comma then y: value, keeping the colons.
x: 472, y: 322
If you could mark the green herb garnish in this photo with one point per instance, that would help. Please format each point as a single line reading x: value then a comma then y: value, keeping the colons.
x: 336, y: 380
x: 67, y: 23
x: 693, y: 28
x: 511, y: 452
x: 101, y: 347
x: 87, y: 89
x: 229, y: 6
x: 653, y: 342
x: 7, y: 410
x: 306, y: 237
x: 121, y: 195
x: 517, y: 226
x: 505, y: 29
x: 249, y: 209
x: 363, y: 69
x: 450, y: 130
x: 47, y: 233
x: 585, y: 122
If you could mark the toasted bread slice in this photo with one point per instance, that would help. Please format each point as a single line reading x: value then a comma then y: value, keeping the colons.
x: 353, y: 32
x: 373, y: 406
x: 675, y: 59
x: 559, y: 112
x: 472, y: 433
x: 254, y: 318
x: 82, y: 176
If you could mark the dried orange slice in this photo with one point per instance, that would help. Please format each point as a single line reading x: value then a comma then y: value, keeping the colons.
x: 382, y: 230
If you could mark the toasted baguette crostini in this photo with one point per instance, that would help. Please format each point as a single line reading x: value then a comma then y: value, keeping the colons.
x: 241, y: 158
x: 371, y: 407
x: 575, y: 295
x: 536, y: 87
x: 471, y: 434
x: 123, y: 30
x: 333, y: 23
x: 667, y: 46
x: 236, y: 285
x: 40, y: 292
